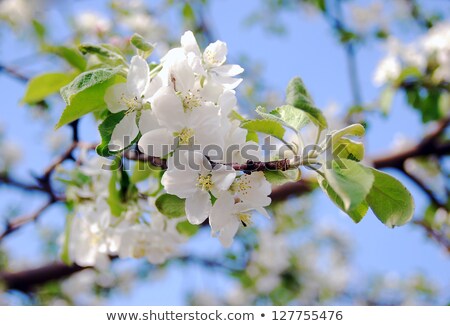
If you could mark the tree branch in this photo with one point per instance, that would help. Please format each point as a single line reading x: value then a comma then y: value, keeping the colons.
x: 27, y: 280
x: 18, y: 222
x: 434, y: 234
x: 429, y: 145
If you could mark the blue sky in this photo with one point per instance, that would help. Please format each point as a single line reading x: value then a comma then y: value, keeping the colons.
x: 309, y: 50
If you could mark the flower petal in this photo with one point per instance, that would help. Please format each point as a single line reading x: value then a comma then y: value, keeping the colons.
x: 157, y: 142
x: 227, y: 101
x: 124, y: 133
x: 229, y: 70
x: 138, y: 76
x: 198, y: 207
x: 152, y: 87
x: 223, y: 176
x: 221, y: 212
x: 168, y: 108
x: 148, y: 121
x: 180, y: 183
x: 215, y: 54
x: 114, y: 97
x: 189, y: 43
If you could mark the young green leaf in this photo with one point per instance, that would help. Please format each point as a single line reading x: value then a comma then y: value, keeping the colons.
x: 287, y: 115
x: 170, y: 205
x: 86, y: 80
x: 65, y: 256
x: 350, y: 180
x: 106, y: 129
x: 356, y: 213
x: 187, y: 228
x: 268, y: 127
x: 390, y: 201
x: 144, y: 48
x: 70, y: 55
x: 104, y: 52
x: 86, y: 93
x: 142, y: 171
x: 296, y: 92
x: 298, y: 97
x: 281, y: 177
x: 347, y: 148
x: 114, y: 199
x: 41, y: 86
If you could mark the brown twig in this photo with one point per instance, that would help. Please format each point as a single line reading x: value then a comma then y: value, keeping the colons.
x: 18, y: 222
x: 434, y: 234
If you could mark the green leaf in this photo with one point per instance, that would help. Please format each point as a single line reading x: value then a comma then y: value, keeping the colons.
x: 142, y: 171
x: 386, y: 98
x: 356, y: 213
x: 115, y: 198
x: 252, y: 136
x: 41, y: 86
x: 170, y: 205
x: 390, y: 201
x: 347, y: 148
x: 187, y: 228
x: 350, y: 180
x: 235, y: 116
x: 39, y: 29
x: 287, y: 115
x: 268, y: 127
x: 106, y: 129
x: 86, y: 80
x: 352, y: 130
x: 65, y: 256
x: 85, y: 93
x: 292, y: 117
x: 106, y: 53
x: 296, y: 92
x: 188, y: 13
x: 144, y: 48
x: 281, y: 177
x: 407, y: 73
x: 298, y: 96
x: 314, y: 114
x: 70, y: 55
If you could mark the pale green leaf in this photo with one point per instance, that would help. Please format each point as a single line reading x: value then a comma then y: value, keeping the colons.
x: 170, y: 205
x: 42, y: 86
x: 390, y: 201
x: 356, y: 213
x: 268, y: 127
x: 106, y: 129
x: 350, y: 180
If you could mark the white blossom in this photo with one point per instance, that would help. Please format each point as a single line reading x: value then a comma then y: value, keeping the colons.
x: 193, y: 178
x: 132, y: 97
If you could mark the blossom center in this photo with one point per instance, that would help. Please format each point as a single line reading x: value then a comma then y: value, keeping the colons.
x: 210, y: 57
x: 242, y: 185
x: 190, y: 102
x: 133, y: 104
x: 139, y: 250
x: 204, y: 182
x: 245, y: 218
x: 185, y: 135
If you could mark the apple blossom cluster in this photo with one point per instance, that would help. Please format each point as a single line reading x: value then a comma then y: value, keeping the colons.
x: 431, y: 52
x: 182, y: 112
x: 97, y: 232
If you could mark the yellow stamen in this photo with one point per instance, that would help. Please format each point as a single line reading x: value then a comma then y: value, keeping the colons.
x: 190, y: 102
x: 204, y: 182
x: 246, y: 219
x: 184, y: 136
